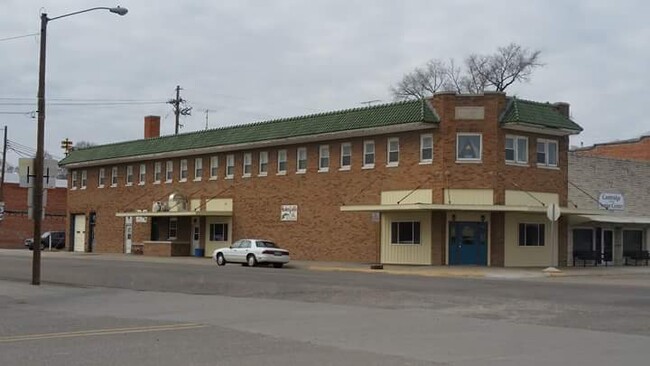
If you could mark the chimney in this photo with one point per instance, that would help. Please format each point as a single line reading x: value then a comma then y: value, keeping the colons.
x: 563, y: 108
x: 151, y: 127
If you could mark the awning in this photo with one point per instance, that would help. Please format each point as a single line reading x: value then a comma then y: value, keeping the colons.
x: 615, y: 219
x: 174, y: 214
x: 438, y: 207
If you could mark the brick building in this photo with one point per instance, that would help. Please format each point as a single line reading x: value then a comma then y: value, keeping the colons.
x: 454, y: 179
x: 633, y: 149
x: 15, y: 226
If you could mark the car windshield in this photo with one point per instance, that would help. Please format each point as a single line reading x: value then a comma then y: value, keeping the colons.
x: 45, y: 235
x: 266, y: 244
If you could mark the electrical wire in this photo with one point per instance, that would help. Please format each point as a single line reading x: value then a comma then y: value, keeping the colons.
x: 17, y: 37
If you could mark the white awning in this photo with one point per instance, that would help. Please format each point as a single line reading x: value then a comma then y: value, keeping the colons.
x: 174, y: 214
x: 615, y: 219
x: 438, y: 207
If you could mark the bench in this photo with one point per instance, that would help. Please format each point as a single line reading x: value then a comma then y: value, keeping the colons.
x: 640, y: 256
x: 588, y: 255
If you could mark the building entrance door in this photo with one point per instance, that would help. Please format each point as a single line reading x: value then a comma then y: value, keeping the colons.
x: 196, y: 234
x: 79, y: 233
x: 468, y: 243
x: 128, y: 234
x: 607, y: 246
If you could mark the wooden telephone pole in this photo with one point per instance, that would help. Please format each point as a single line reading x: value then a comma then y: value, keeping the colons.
x: 180, y: 108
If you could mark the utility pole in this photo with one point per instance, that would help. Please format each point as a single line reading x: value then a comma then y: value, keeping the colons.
x: 180, y: 108
x: 4, y: 159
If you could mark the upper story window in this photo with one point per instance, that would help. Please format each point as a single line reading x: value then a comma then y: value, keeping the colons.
x: 198, y: 168
x: 214, y: 167
x: 324, y: 158
x: 101, y: 179
x: 264, y: 163
x: 517, y: 149
x: 301, y: 160
x: 73, y: 179
x: 468, y: 147
x: 282, y: 162
x: 114, y: 177
x: 546, y: 152
x: 368, y: 154
x: 426, y: 148
x: 346, y: 156
x: 84, y: 179
x: 230, y: 166
x: 248, y: 164
x: 143, y: 174
x: 392, y: 151
x: 169, y: 171
x: 129, y: 175
x: 183, y: 170
x: 157, y: 172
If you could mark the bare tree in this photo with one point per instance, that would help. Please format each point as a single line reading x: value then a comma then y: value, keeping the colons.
x: 508, y: 65
x: 84, y: 144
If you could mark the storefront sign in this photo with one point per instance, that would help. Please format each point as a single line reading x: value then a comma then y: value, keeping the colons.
x: 141, y: 219
x: 611, y: 201
x: 289, y: 213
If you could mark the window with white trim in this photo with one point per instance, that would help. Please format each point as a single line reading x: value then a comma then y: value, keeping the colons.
x: 324, y: 158
x: 531, y: 235
x: 392, y: 148
x: 214, y: 167
x: 101, y: 179
x: 369, y: 154
x: 426, y: 148
x: 230, y: 166
x: 169, y: 171
x: 183, y: 171
x: 301, y: 160
x: 73, y: 179
x: 346, y: 156
x: 114, y: 177
x: 84, y: 178
x: 468, y: 147
x: 198, y: 169
x: 516, y: 149
x: 157, y: 172
x: 173, y: 228
x: 248, y: 164
x: 264, y: 163
x: 143, y: 174
x: 129, y: 175
x: 282, y: 162
x: 546, y: 152
x: 405, y: 232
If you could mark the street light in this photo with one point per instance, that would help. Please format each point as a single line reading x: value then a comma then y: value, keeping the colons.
x: 38, y: 159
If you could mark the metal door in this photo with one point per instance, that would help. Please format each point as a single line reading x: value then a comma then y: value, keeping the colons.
x: 196, y: 233
x: 468, y: 243
x: 128, y: 234
x: 79, y: 233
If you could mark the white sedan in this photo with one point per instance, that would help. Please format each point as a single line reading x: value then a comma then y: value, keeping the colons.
x: 251, y: 252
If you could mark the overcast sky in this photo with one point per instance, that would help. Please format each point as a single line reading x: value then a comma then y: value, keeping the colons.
x: 247, y: 61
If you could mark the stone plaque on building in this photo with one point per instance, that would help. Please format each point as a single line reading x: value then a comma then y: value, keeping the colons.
x: 289, y: 213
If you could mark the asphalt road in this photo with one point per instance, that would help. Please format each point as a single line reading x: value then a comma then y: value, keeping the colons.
x: 92, y: 311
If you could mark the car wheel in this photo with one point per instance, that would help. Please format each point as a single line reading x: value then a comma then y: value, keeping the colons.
x: 277, y: 265
x: 251, y: 260
x: 221, y: 261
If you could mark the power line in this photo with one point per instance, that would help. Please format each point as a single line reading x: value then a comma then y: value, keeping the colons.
x: 83, y: 103
x: 17, y: 37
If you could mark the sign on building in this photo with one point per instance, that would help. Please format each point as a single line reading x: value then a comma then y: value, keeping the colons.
x: 289, y: 213
x: 141, y: 219
x: 611, y: 201
x: 26, y: 173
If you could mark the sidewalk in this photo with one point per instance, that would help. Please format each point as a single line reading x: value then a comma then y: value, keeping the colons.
x: 407, y: 270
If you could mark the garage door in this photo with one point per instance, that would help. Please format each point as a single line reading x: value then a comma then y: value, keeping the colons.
x: 79, y: 233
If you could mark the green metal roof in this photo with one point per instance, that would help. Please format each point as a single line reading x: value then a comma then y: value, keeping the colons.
x: 541, y: 114
x: 336, y: 121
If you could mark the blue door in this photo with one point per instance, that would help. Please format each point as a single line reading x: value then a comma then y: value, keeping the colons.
x: 468, y: 243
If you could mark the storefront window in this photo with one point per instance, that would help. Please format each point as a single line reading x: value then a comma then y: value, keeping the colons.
x: 405, y: 232
x: 632, y: 242
x: 218, y: 232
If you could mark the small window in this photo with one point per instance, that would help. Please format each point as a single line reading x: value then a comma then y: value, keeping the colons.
x: 346, y: 156
x: 129, y: 175
x: 198, y: 169
x: 405, y: 232
x: 114, y: 177
x: 426, y: 148
x: 218, y: 232
x: 173, y: 228
x: 102, y: 177
x: 301, y: 160
x: 84, y: 179
x: 547, y: 152
x: 393, y: 151
x: 214, y: 167
x: 248, y: 164
x: 73, y: 179
x: 143, y: 174
x: 369, y: 154
x: 264, y: 163
x: 468, y: 147
x: 517, y: 149
x: 230, y: 166
x: 324, y: 158
x: 169, y: 171
x: 531, y: 235
x: 282, y: 161
x: 183, y: 171
x: 157, y: 172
